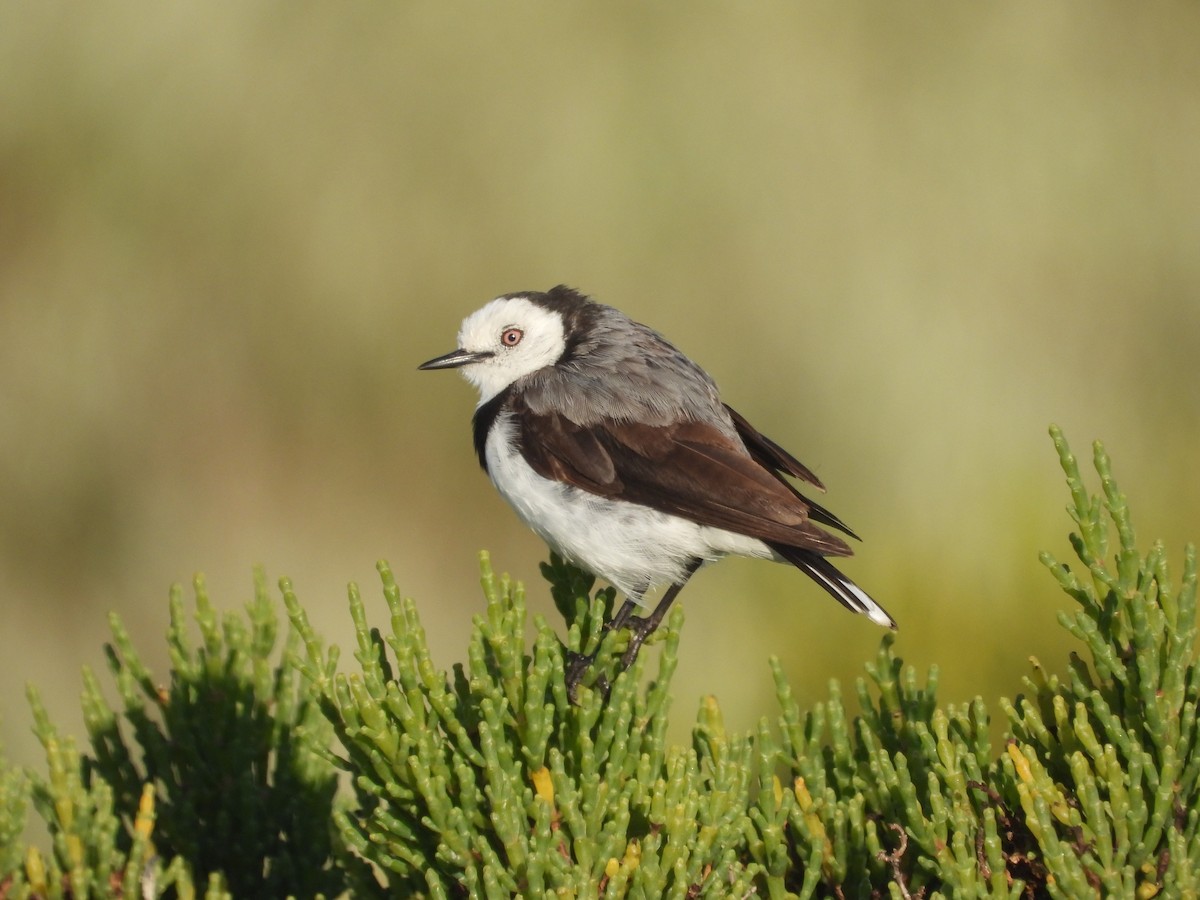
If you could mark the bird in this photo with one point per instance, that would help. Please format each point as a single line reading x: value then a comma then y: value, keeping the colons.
x: 618, y: 451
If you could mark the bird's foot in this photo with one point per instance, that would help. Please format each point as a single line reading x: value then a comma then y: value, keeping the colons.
x: 639, y: 630
x: 578, y: 664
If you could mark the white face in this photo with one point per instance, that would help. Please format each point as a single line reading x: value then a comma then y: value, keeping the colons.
x: 521, y: 338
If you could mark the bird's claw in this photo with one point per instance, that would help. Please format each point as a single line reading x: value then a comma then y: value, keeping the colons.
x: 578, y: 664
x: 576, y: 669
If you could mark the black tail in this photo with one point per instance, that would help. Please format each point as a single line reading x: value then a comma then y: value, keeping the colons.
x: 845, y: 591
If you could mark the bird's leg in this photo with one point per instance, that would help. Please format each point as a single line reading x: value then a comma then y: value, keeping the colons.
x: 579, y: 663
x: 642, y: 628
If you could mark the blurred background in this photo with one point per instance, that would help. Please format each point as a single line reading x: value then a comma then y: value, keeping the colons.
x: 904, y: 239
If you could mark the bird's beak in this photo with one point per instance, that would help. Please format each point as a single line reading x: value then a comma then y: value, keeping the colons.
x: 454, y: 359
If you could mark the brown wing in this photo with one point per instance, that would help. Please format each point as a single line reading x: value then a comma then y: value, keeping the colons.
x: 688, y: 469
x: 779, y: 461
x: 769, y: 453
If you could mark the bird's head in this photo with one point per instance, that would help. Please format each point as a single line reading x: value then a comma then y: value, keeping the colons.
x: 509, y: 338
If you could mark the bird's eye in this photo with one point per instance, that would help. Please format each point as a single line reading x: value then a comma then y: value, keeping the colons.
x: 512, y: 337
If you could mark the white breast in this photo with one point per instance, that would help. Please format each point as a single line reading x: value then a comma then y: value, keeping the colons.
x: 631, y: 546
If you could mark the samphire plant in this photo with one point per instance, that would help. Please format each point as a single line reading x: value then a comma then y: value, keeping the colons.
x: 487, y: 781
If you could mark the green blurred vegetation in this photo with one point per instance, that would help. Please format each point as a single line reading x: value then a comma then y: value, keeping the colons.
x: 903, y: 239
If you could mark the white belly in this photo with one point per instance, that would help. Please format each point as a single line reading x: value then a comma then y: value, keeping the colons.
x: 631, y: 546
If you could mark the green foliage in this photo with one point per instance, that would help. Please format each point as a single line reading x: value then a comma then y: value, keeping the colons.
x: 14, y: 801
x: 493, y: 782
x: 93, y: 855
x: 1105, y: 762
x: 227, y: 746
x: 212, y: 779
x: 488, y: 782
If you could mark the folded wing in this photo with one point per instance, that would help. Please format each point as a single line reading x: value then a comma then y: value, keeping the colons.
x: 688, y: 468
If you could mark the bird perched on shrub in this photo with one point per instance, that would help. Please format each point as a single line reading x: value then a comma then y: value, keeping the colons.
x: 618, y: 451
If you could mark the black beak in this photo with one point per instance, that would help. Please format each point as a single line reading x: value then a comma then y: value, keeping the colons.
x: 454, y: 359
